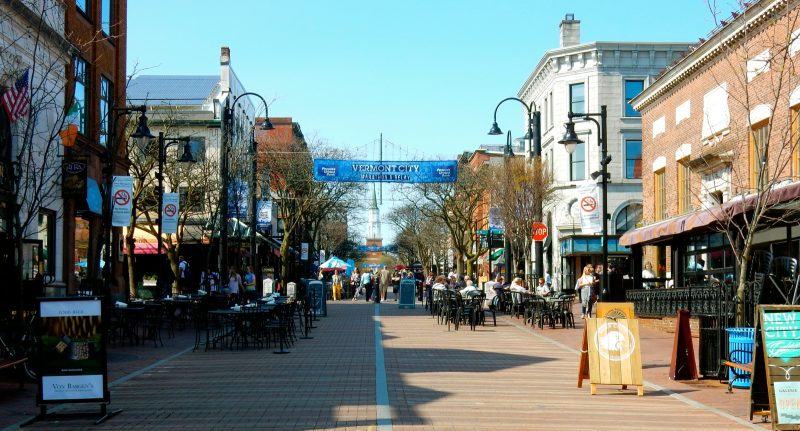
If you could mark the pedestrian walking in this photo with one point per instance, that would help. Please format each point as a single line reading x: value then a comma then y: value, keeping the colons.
x: 250, y: 284
x: 234, y: 283
x: 184, y: 275
x: 385, y: 278
x: 585, y: 285
x: 366, y: 284
x: 337, y: 286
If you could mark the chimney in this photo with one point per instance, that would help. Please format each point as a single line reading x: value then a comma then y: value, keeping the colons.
x: 225, y: 56
x: 570, y: 31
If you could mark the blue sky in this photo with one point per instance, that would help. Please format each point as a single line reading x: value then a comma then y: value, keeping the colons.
x: 427, y: 74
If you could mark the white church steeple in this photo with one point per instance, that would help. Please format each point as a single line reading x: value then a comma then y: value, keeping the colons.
x: 374, y: 219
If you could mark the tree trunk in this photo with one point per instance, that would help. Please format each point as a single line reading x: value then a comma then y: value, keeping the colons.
x: 742, y: 280
x: 129, y: 245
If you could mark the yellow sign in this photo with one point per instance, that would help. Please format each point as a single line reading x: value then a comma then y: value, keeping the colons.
x: 615, y: 310
x: 614, y: 353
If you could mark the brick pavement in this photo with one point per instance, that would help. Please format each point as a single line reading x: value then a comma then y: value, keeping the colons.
x: 505, y: 377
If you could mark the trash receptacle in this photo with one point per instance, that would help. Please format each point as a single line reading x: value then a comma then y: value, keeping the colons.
x: 740, y: 350
x: 407, y: 294
x: 317, y: 299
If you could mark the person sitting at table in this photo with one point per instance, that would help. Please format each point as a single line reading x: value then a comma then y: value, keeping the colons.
x: 517, y: 285
x: 469, y: 291
x: 542, y: 288
x: 440, y: 283
x: 499, y: 290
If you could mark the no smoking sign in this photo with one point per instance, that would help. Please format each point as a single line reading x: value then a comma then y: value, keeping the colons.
x: 122, y: 197
x: 170, y: 210
x: 588, y: 204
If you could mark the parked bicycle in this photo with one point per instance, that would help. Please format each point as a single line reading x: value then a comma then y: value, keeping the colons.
x: 17, y: 340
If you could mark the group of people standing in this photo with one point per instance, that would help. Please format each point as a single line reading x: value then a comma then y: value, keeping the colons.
x: 374, y: 285
x: 241, y: 287
x: 588, y: 285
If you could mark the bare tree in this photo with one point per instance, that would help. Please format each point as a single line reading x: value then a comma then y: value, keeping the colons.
x: 33, y: 41
x: 198, y: 184
x: 301, y: 200
x: 517, y: 189
x: 455, y: 205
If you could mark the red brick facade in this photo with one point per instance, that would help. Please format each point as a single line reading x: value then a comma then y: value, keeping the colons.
x: 722, y: 59
x: 105, y: 57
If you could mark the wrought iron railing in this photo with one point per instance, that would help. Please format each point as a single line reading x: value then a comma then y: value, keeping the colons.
x: 705, y: 301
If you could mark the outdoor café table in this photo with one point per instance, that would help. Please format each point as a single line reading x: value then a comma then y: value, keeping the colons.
x: 130, y: 319
x: 240, y: 322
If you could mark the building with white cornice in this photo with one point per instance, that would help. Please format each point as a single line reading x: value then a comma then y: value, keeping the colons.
x: 582, y: 77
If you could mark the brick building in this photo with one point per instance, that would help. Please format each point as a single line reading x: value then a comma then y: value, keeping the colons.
x: 720, y: 130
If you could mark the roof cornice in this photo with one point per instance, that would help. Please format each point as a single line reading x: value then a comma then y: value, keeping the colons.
x: 545, y: 63
x: 706, y: 52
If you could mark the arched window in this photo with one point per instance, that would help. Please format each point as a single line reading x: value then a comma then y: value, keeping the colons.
x: 628, y: 217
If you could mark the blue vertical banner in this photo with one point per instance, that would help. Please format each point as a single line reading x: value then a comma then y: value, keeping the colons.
x: 367, y: 171
x: 237, y: 199
x: 264, y: 216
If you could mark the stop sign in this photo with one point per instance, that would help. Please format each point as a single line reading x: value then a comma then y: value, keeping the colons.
x: 539, y: 231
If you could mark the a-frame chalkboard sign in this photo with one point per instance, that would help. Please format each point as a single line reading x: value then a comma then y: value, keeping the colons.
x: 776, y: 365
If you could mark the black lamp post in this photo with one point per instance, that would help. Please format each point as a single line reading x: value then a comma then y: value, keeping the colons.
x: 570, y: 141
x: 227, y: 124
x: 534, y: 139
x: 142, y: 136
x: 508, y: 154
x: 186, y: 157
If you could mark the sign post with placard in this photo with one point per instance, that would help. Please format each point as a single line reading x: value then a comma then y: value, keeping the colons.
x: 73, y: 366
x: 780, y: 341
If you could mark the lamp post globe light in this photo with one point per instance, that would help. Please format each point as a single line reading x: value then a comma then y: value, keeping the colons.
x: 141, y: 136
x: 533, y: 137
x: 186, y: 157
x: 227, y: 132
x: 570, y: 142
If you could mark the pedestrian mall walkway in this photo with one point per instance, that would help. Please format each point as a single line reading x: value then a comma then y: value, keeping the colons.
x: 379, y: 367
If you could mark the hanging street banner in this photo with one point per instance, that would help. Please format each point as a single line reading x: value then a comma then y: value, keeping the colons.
x: 237, y: 199
x: 495, y: 219
x: 590, y: 208
x: 121, y: 202
x: 368, y: 171
x: 169, y: 213
x: 391, y: 248
x: 264, y: 216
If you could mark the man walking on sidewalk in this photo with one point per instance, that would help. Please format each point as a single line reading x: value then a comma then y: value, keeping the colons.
x: 366, y: 284
x: 384, y: 278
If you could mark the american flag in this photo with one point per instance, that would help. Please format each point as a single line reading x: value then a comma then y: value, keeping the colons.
x: 16, y: 100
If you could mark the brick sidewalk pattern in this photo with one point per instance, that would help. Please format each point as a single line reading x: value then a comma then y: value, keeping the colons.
x: 508, y: 377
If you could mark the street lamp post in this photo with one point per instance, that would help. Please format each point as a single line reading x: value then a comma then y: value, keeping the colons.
x: 570, y: 141
x: 508, y: 153
x: 163, y: 145
x: 227, y: 132
x: 534, y: 139
x: 142, y: 136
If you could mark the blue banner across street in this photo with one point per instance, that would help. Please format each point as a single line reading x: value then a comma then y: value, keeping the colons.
x: 366, y: 171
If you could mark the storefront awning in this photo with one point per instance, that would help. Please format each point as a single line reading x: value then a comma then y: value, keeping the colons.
x: 707, y: 218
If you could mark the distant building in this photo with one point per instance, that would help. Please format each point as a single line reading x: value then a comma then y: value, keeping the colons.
x: 192, y: 106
